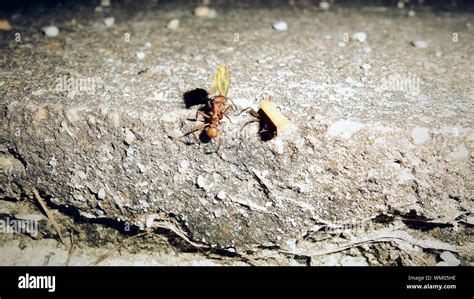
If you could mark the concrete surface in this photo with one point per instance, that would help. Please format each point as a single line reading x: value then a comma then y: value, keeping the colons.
x: 382, y: 137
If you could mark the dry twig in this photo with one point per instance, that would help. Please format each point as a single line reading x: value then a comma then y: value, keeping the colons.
x: 48, y: 214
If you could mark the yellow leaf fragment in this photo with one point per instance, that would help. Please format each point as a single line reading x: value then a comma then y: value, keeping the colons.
x: 221, y: 81
x: 274, y: 114
x: 5, y: 25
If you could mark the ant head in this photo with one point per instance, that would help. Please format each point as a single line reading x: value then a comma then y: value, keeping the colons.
x: 220, y: 99
x: 212, y: 132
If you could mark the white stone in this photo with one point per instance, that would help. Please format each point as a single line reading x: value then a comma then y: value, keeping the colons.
x: 400, y: 5
x: 420, y: 135
x: 109, y: 22
x: 201, y: 182
x: 141, y: 167
x: 173, y: 24
x: 324, y: 5
x: 360, y: 36
x: 221, y: 195
x: 470, y: 220
x: 341, y: 44
x: 406, y: 175
x: 442, y: 264
x: 140, y: 55
x: 366, y: 66
x: 420, y: 43
x: 411, y: 13
x: 280, y: 26
x: 450, y: 258
x: 130, y: 137
x: 344, y: 129
x: 149, y: 221
x: 51, y: 31
x: 184, y: 164
x: 101, y: 193
x: 53, y: 162
x: 105, y: 3
x: 461, y: 152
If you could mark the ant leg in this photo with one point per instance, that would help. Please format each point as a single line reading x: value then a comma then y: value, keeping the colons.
x: 196, y: 128
x: 234, y: 106
x: 249, y: 122
x: 198, y: 112
x: 252, y: 112
x: 224, y: 113
x: 220, y: 142
x: 202, y: 114
x: 228, y: 118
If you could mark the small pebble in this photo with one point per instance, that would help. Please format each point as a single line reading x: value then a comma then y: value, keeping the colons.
x: 201, y: 11
x: 104, y: 3
x: 147, y: 45
x: 201, y: 182
x: 184, y: 164
x: 149, y: 221
x: 439, y: 53
x: 130, y: 138
x: 411, y: 13
x: 141, y: 167
x: 204, y: 12
x: 360, y: 36
x: 324, y: 5
x: 366, y: 66
x: 460, y: 152
x: 420, y: 135
x: 400, y: 5
x: 442, y: 264
x: 53, y: 162
x: 450, y: 258
x: 341, y: 44
x: 470, y: 220
x: 280, y: 26
x: 51, y: 31
x: 101, y: 193
x: 221, y: 195
x: 173, y: 24
x: 420, y: 44
x: 140, y: 55
x: 5, y: 25
x: 109, y: 22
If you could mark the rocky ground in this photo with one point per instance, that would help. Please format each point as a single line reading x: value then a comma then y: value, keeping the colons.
x: 376, y: 168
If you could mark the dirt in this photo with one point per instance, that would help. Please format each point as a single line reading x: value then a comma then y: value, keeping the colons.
x: 376, y: 168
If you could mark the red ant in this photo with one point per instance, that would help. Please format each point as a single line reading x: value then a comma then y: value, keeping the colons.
x: 213, y: 113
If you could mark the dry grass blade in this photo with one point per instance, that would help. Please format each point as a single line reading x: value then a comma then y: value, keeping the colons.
x: 71, y: 250
x: 117, y: 247
x: 48, y: 214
